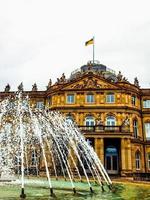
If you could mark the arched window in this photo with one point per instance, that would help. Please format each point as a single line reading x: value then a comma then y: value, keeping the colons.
x: 17, y: 164
x: 137, y: 160
x: 69, y: 119
x: 89, y: 121
x: 135, y: 128
x: 148, y: 160
x: 34, y: 157
x: 111, y: 150
x: 17, y: 160
x: 110, y: 121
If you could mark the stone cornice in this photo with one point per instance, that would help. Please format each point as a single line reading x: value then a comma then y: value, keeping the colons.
x: 85, y: 107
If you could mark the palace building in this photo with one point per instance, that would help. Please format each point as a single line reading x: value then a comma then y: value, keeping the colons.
x: 112, y: 113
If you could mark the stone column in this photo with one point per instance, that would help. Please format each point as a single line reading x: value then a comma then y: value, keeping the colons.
x: 97, y: 98
x: 129, y: 155
x: 123, y: 165
x: 81, y: 117
x: 62, y: 100
x: 99, y: 148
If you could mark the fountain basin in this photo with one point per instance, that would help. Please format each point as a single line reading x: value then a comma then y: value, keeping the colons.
x: 37, y: 189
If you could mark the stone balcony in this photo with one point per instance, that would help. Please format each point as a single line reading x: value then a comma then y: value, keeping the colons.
x: 116, y: 131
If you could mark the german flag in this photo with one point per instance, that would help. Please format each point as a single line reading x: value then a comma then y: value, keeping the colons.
x: 91, y: 41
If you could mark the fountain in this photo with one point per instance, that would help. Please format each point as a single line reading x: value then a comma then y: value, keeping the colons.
x: 54, y: 143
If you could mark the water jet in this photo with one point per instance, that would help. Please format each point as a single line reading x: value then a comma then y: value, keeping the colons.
x: 34, y: 141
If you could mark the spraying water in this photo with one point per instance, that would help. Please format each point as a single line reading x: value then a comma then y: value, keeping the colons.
x: 54, y: 143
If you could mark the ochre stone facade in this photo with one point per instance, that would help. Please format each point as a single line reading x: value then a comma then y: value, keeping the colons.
x: 113, y: 114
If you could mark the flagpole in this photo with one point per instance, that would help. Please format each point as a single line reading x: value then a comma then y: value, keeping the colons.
x: 93, y: 49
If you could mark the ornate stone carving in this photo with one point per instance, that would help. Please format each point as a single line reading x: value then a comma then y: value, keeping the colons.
x: 126, y: 124
x: 7, y: 88
x: 88, y: 83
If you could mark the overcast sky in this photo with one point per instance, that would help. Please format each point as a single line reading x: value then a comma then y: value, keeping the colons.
x: 41, y: 39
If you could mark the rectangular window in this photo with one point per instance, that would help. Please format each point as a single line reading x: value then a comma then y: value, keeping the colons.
x: 70, y: 98
x: 135, y: 128
x: 40, y: 105
x: 148, y: 160
x: 133, y: 100
x: 146, y: 104
x: 90, y: 98
x: 147, y: 130
x: 137, y: 164
x: 110, y: 98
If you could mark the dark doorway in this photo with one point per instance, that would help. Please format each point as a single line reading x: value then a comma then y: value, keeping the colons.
x: 112, y: 155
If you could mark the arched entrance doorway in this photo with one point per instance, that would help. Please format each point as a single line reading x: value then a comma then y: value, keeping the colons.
x: 111, y: 160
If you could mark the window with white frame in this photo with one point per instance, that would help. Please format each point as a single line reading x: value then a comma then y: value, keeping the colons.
x: 146, y: 103
x: 135, y: 128
x: 90, y: 98
x: 89, y: 121
x: 33, y: 157
x: 110, y: 121
x: 148, y: 160
x: 69, y: 119
x: 17, y: 160
x: 70, y: 98
x: 133, y: 100
x: 137, y: 160
x: 40, y: 104
x: 147, y: 130
x: 110, y: 98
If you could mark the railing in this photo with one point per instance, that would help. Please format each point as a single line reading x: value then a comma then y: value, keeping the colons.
x: 138, y: 138
x: 141, y: 176
x: 101, y: 128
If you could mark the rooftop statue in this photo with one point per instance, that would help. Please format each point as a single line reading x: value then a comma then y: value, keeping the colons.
x: 136, y: 82
x: 20, y: 87
x: 58, y: 80
x: 34, y: 87
x: 7, y: 88
x: 119, y: 76
x: 49, y: 83
x: 63, y: 78
x: 125, y: 79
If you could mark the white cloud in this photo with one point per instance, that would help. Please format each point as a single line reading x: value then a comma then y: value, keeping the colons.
x: 40, y: 39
